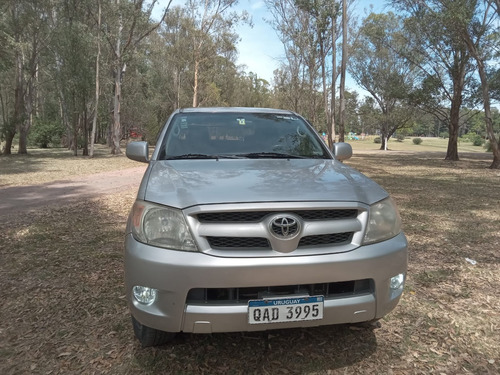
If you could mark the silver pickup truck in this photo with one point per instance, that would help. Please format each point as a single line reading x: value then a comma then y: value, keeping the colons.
x: 246, y: 221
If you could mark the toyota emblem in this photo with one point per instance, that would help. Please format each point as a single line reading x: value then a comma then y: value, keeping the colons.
x: 285, y: 226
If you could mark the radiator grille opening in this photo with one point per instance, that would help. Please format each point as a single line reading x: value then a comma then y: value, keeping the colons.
x: 256, y: 216
x: 258, y: 243
x: 340, y: 289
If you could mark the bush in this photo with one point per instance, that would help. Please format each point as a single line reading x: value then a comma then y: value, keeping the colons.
x: 477, y: 140
x: 377, y: 140
x: 417, y: 141
x: 444, y: 135
x: 45, y: 133
x: 400, y: 137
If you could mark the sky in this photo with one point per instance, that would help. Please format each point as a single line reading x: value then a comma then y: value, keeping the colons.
x: 260, y: 49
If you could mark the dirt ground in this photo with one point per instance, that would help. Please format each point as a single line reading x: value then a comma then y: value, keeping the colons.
x: 64, y: 309
x: 20, y: 199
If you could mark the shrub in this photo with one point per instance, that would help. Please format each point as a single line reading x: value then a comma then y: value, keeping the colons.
x: 477, y: 140
x: 377, y: 140
x: 45, y: 133
x: 444, y: 135
x: 400, y: 137
x: 417, y: 141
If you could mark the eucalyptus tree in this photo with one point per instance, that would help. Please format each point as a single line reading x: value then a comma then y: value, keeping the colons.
x: 444, y: 62
x: 308, y: 30
x: 25, y: 33
x: 385, y: 74
x: 71, y: 69
x: 477, y: 24
x: 213, y: 26
x: 297, y: 78
x: 126, y: 24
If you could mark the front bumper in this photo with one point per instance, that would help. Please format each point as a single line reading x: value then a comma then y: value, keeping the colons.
x: 175, y: 273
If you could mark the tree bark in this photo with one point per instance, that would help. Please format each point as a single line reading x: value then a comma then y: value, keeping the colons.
x: 116, y: 131
x: 452, y: 150
x: 458, y: 76
x: 343, y: 66
x: 486, y: 103
x: 116, y: 134
x: 195, y: 85
x: 323, y: 79
x: 333, y: 100
x: 96, y: 111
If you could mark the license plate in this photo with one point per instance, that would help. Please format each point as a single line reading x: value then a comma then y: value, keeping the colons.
x: 288, y: 309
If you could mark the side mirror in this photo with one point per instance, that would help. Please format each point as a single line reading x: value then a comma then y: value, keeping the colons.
x: 138, y: 151
x: 342, y: 151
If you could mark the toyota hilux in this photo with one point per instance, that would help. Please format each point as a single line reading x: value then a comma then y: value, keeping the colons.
x: 246, y: 220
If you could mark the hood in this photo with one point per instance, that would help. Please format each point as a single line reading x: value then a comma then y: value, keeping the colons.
x: 186, y: 183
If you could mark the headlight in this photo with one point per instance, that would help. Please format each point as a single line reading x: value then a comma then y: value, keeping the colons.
x: 161, y: 226
x: 383, y: 222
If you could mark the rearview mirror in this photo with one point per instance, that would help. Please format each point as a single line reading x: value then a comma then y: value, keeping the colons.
x: 138, y: 151
x: 342, y: 151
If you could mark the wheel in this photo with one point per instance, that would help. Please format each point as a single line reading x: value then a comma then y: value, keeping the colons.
x: 148, y: 336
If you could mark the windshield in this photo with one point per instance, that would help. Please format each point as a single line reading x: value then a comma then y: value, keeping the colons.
x: 240, y: 135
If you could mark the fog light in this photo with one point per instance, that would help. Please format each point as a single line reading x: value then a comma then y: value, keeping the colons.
x: 397, y: 282
x: 144, y: 295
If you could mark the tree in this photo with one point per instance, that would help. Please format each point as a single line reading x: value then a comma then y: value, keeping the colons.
x: 385, y: 74
x: 324, y: 13
x: 308, y: 30
x: 211, y: 28
x: 444, y: 63
x: 97, y: 68
x: 343, y: 66
x: 26, y: 37
x: 124, y: 38
x: 474, y: 26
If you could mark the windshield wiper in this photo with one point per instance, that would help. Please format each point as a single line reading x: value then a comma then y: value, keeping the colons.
x: 192, y: 156
x: 271, y: 155
x: 204, y: 156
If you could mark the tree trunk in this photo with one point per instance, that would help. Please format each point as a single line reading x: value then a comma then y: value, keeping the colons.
x: 456, y: 103
x: 333, y: 100
x: 323, y: 79
x: 116, y: 130
x: 96, y: 111
x: 195, y: 85
x: 487, y: 110
x: 9, y: 139
x: 26, y: 124
x: 343, y: 73
x: 85, y: 133
x: 116, y: 127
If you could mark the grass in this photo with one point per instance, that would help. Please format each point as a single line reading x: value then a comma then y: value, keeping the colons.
x: 429, y: 144
x: 63, y: 308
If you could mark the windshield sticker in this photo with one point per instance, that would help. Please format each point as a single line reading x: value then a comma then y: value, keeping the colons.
x: 286, y: 118
x: 184, y: 124
x: 241, y: 121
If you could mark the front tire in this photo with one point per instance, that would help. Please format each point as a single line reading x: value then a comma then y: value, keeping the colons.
x: 148, y: 336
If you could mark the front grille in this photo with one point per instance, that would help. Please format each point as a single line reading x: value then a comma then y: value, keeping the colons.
x: 256, y: 216
x: 255, y: 243
x: 326, y: 239
x: 238, y: 242
x: 243, y: 295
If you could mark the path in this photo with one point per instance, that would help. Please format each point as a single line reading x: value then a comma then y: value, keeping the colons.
x: 16, y: 199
